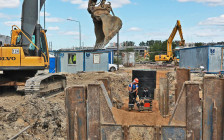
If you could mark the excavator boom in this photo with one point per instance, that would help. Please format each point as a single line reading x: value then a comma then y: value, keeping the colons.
x: 173, y: 34
x: 169, y: 56
x: 106, y: 25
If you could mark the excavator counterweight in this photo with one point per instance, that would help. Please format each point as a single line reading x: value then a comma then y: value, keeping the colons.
x: 106, y: 25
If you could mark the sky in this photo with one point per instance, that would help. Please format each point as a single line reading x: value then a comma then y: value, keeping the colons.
x: 202, y: 20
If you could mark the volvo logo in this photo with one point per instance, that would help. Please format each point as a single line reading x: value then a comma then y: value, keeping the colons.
x: 7, y: 58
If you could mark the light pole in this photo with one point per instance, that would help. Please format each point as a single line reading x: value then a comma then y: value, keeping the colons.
x: 80, y: 34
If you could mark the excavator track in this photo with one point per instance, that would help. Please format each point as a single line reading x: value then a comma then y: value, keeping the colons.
x: 45, y: 85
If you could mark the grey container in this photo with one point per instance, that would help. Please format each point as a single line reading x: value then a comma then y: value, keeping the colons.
x: 128, y: 59
x: 207, y: 56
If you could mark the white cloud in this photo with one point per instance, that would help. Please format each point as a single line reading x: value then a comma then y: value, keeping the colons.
x: 53, y: 19
x: 213, y: 21
x: 10, y: 23
x: 9, y: 3
x: 209, y: 2
x: 119, y: 3
x: 69, y: 33
x: 134, y: 29
x: 83, y: 4
x: 53, y: 28
x: 46, y: 14
x: 2, y: 15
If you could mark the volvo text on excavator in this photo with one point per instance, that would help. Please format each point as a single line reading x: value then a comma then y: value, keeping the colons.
x: 169, y: 57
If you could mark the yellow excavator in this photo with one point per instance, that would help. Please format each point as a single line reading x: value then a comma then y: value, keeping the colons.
x: 170, y: 57
x: 28, y: 51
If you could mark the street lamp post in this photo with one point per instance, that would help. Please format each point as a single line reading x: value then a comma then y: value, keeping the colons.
x: 80, y: 34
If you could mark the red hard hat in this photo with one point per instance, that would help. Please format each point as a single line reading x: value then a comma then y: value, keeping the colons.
x: 136, y: 80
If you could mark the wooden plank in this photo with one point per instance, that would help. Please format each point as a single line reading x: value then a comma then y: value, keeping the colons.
x: 75, y: 102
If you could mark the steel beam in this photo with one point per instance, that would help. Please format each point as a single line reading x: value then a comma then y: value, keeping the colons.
x: 93, y: 112
x: 164, y: 97
x: 182, y: 75
x: 194, y: 112
x: 75, y: 103
x: 213, y: 93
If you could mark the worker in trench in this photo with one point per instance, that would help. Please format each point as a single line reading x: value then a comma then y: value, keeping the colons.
x: 133, y: 92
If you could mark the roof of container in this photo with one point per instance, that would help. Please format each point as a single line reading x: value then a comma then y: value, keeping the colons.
x: 100, y: 50
x: 202, y: 47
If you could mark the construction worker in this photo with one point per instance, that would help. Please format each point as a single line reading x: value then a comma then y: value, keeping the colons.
x: 133, y: 92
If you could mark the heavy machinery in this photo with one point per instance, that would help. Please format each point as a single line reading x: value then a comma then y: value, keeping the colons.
x: 106, y: 25
x: 169, y: 57
x: 28, y: 51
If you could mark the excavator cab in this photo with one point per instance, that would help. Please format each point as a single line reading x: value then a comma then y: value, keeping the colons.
x: 106, y: 25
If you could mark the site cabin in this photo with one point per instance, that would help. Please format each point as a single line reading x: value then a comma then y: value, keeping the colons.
x: 209, y: 57
x: 82, y: 61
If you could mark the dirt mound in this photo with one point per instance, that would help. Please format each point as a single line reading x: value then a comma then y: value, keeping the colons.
x: 46, y: 118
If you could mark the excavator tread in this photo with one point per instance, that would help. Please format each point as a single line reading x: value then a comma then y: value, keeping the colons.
x: 45, y: 85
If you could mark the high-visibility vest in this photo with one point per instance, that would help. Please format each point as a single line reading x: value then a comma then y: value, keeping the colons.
x: 74, y: 58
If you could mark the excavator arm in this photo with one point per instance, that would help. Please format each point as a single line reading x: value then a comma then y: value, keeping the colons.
x: 170, y: 40
x: 106, y: 25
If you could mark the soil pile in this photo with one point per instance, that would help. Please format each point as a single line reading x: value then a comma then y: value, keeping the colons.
x: 46, y: 118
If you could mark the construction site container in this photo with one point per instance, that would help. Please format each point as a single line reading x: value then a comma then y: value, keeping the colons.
x: 128, y: 59
x: 83, y: 61
x: 5, y: 39
x: 210, y: 57
x: 96, y: 61
x: 147, y: 79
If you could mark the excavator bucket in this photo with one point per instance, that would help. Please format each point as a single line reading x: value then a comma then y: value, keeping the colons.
x: 106, y: 29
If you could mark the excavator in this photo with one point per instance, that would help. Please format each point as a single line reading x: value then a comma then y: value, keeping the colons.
x: 28, y: 51
x: 170, y: 57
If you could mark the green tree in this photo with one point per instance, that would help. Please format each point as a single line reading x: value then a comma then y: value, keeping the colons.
x: 198, y: 44
x: 142, y: 43
x: 128, y: 43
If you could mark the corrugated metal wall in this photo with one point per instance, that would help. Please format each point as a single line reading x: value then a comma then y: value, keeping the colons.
x: 192, y: 58
x: 102, y: 66
x: 65, y: 67
x: 207, y: 56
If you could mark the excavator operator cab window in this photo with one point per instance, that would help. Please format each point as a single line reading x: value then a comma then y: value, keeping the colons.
x: 43, y: 43
x: 177, y: 54
x: 19, y: 39
x: 32, y: 47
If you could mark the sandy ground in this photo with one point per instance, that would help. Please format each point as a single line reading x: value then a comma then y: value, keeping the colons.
x: 151, y: 118
x: 48, y: 117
